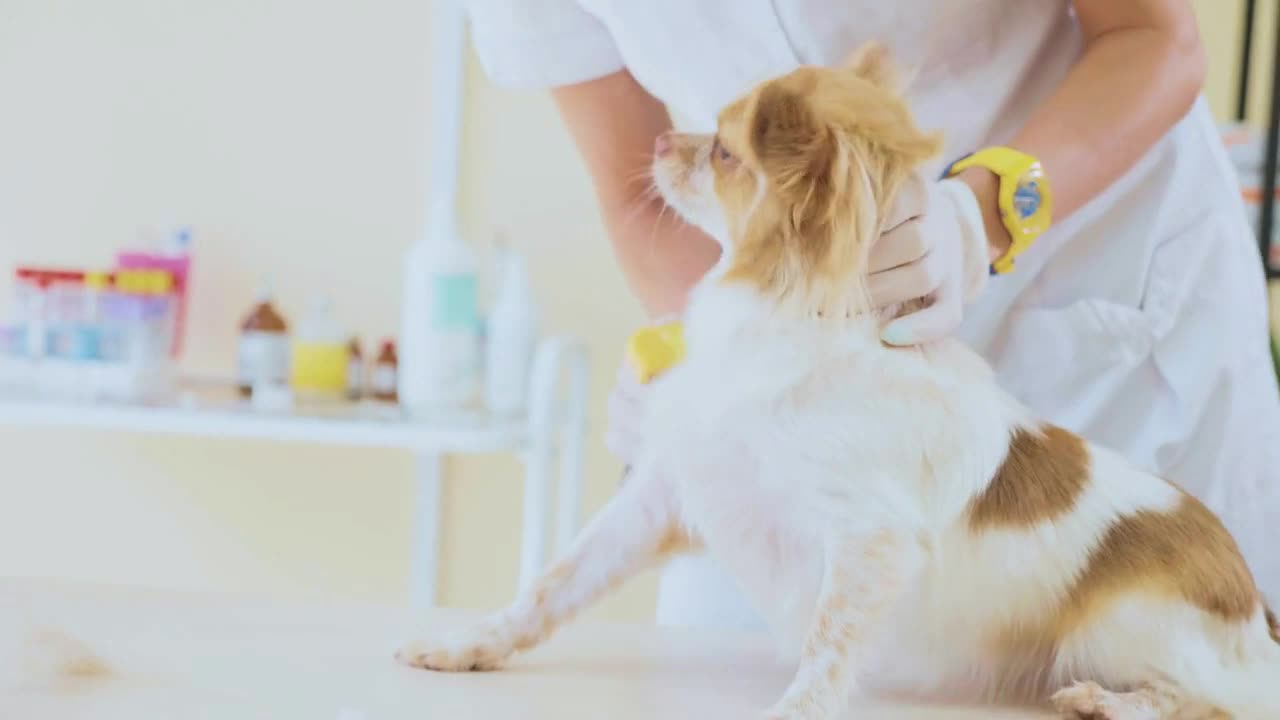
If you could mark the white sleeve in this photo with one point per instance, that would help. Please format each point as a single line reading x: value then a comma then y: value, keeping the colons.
x: 540, y: 43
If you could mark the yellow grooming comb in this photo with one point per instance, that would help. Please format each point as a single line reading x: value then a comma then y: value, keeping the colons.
x: 654, y: 350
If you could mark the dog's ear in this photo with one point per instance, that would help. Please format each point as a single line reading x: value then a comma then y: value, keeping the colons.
x: 886, y: 123
x: 872, y: 62
x: 791, y: 143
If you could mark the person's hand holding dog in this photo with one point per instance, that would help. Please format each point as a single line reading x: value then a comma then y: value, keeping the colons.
x: 933, y: 245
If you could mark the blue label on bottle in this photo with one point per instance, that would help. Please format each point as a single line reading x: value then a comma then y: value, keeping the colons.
x: 455, y: 305
x: 73, y: 342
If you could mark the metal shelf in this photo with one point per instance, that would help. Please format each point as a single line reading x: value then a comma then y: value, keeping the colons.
x: 350, y: 426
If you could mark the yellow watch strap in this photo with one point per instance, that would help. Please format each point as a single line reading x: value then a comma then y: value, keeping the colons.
x: 998, y: 160
x: 1010, y: 166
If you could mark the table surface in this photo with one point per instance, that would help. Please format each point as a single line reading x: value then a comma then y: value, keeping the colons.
x: 197, y: 656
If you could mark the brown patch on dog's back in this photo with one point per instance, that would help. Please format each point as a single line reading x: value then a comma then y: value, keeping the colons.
x: 1184, y: 553
x: 1273, y: 625
x: 1040, y: 479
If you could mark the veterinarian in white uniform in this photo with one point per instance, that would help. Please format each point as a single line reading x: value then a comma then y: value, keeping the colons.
x: 1137, y: 319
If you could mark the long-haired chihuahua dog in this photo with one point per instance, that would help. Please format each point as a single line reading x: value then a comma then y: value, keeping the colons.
x: 904, y: 524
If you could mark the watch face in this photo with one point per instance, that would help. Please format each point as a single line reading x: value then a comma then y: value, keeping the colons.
x: 1026, y: 198
x: 1031, y: 203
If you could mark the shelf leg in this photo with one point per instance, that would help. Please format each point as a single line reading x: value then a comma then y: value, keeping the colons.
x: 539, y: 459
x: 572, y: 448
x: 547, y: 421
x: 569, y: 515
x: 537, y: 492
x: 424, y: 574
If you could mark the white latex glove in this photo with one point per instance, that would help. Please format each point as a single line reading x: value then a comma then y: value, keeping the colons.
x: 934, y: 246
x: 626, y: 411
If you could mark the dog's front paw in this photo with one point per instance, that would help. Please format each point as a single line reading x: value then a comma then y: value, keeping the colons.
x: 479, y: 649
x: 1079, y: 700
x: 1090, y: 701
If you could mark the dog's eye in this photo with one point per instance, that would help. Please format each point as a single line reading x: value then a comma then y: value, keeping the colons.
x: 720, y: 152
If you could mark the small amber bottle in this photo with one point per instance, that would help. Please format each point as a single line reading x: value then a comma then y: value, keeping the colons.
x: 264, y: 347
x: 386, y: 373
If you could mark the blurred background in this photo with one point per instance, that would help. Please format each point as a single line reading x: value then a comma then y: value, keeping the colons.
x: 293, y: 138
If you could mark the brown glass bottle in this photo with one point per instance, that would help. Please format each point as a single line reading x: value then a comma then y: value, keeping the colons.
x: 264, y: 347
x: 386, y: 373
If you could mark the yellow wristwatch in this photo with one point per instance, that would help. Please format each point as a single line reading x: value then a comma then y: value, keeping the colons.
x: 1025, y: 201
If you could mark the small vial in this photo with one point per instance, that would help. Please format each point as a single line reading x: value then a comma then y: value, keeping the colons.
x: 386, y: 372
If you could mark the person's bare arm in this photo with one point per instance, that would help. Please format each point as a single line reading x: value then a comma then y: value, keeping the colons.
x: 1141, y: 71
x: 614, y: 122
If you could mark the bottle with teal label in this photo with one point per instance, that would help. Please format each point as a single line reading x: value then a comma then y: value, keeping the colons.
x: 456, y: 301
x: 440, y: 354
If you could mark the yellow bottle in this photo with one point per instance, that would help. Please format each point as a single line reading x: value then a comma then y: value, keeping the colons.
x: 321, y: 355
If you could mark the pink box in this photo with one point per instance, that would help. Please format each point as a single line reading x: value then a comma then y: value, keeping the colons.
x: 177, y: 264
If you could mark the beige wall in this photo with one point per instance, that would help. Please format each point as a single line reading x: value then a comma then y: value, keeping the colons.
x: 291, y: 133
x: 1220, y: 29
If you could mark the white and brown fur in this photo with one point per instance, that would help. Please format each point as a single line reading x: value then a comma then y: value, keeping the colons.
x: 904, y: 524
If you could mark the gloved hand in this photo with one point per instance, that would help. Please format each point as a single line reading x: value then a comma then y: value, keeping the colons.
x: 934, y: 245
x: 626, y: 409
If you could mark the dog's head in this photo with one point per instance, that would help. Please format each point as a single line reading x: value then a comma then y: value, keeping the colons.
x: 797, y: 177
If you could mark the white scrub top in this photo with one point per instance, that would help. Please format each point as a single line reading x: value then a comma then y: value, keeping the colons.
x: 1139, y: 321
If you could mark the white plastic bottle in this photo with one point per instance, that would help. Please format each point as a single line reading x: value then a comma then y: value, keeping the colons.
x: 511, y: 337
x: 439, y: 323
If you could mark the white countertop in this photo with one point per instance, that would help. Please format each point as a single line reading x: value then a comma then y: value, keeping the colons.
x: 193, y: 656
